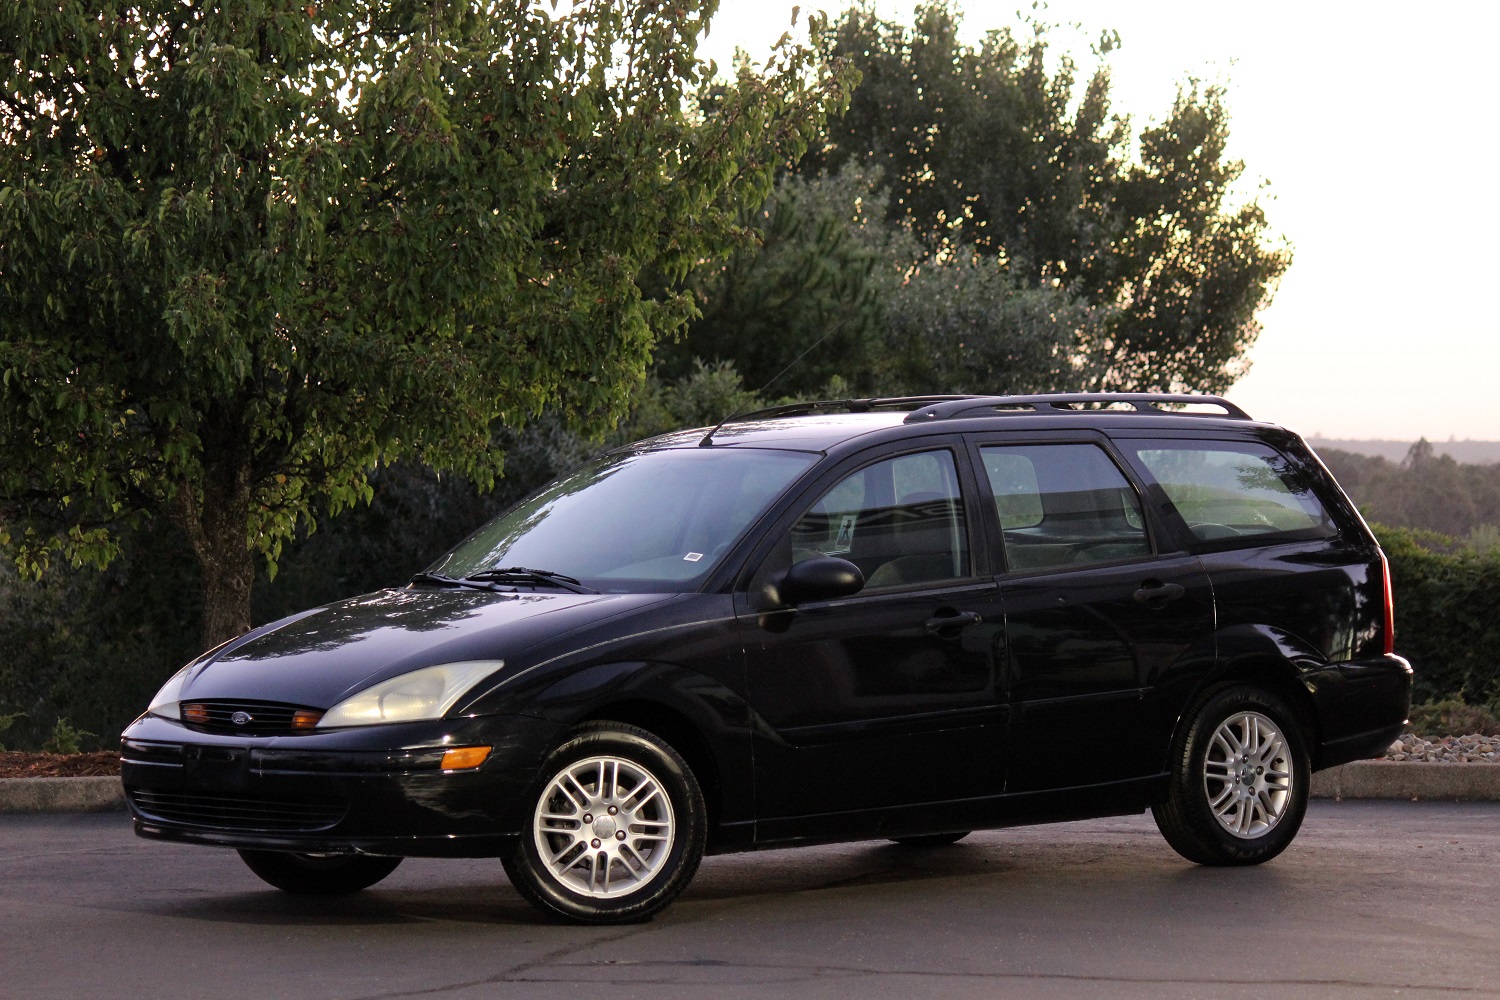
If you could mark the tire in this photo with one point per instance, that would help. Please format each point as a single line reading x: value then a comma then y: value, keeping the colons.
x: 617, y: 793
x: 319, y: 874
x: 931, y: 839
x: 1227, y: 807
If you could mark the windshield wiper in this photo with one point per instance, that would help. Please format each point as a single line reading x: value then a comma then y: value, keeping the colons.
x: 448, y: 581
x: 521, y: 574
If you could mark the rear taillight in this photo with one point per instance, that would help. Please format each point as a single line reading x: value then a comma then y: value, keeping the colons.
x: 1390, y: 606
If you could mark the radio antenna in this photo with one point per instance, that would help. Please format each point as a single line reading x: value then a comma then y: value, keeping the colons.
x: 708, y: 439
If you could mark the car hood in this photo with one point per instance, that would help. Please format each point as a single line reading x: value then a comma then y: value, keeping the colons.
x: 322, y: 656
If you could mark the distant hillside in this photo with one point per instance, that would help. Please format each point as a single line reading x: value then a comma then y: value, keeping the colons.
x: 1420, y: 488
x: 1467, y: 452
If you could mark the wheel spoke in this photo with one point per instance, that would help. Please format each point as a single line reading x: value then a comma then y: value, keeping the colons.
x: 1221, y: 798
x: 577, y: 794
x: 637, y: 864
x: 566, y: 858
x: 654, y: 792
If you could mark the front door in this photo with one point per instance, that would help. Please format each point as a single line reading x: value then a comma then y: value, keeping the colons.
x: 887, y: 698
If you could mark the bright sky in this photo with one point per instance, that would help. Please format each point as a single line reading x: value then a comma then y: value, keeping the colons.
x: 1375, y: 126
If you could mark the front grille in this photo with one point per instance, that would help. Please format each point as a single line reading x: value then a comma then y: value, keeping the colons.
x: 227, y: 812
x: 264, y: 717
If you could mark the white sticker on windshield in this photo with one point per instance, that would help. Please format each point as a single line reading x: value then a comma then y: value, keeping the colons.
x: 693, y: 556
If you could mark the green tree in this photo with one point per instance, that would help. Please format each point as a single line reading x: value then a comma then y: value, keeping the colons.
x: 837, y: 289
x: 249, y: 251
x: 982, y: 145
x: 811, y: 279
x: 961, y: 324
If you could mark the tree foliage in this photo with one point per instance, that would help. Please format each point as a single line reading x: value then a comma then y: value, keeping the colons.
x: 1426, y: 491
x: 837, y: 290
x: 983, y: 145
x: 250, y: 251
x: 813, y: 277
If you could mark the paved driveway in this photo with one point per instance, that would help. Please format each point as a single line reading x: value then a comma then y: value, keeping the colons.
x: 1373, y: 900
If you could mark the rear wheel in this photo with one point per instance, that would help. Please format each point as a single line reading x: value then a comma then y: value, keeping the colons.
x: 617, y: 828
x: 1239, y: 782
x: 319, y: 874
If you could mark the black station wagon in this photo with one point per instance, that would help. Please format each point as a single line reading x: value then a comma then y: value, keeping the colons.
x: 898, y: 618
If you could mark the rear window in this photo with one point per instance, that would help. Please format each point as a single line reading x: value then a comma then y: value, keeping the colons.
x: 1228, y: 490
x: 1063, y: 505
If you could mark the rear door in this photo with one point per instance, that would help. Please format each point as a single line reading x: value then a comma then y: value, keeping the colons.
x: 1097, y: 609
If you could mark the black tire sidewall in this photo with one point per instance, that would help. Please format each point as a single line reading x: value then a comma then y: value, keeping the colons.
x: 1221, y: 846
x: 534, y: 880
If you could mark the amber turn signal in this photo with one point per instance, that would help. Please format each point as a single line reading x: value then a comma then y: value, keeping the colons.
x: 461, y: 758
x: 305, y: 719
x: 194, y: 713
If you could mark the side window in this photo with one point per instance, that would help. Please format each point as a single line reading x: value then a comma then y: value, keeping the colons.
x: 1063, y: 505
x: 900, y: 521
x: 1227, y: 489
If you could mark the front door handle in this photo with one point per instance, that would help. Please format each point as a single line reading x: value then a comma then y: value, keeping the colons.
x: 939, y: 624
x: 1154, y: 592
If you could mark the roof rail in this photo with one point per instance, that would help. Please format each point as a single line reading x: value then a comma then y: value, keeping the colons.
x: 1072, y: 402
x: 847, y: 405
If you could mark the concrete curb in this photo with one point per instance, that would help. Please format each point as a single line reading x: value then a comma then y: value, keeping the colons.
x: 1390, y: 779
x: 1365, y: 779
x: 20, y: 795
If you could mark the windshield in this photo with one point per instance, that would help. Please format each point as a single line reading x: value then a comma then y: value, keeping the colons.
x: 649, y: 522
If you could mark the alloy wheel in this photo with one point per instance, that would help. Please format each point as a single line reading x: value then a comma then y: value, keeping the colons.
x: 1248, y: 775
x: 604, y: 827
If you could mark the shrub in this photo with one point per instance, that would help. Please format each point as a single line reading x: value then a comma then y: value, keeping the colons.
x: 1452, y: 717
x: 66, y: 738
x: 1447, y: 597
x: 6, y: 721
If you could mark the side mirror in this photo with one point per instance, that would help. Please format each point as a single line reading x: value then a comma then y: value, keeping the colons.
x: 821, y: 578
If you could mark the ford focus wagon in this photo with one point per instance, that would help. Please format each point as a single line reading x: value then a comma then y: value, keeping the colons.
x: 900, y: 619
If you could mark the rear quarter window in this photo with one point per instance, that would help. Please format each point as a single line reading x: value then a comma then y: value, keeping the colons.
x: 1226, y: 490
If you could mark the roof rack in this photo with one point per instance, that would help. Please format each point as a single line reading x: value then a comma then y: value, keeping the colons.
x: 847, y: 405
x: 1073, y: 402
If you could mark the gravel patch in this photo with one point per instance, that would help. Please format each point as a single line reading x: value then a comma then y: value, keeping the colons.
x: 1473, y: 749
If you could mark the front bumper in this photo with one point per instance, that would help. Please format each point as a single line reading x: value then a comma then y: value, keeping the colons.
x: 369, y: 790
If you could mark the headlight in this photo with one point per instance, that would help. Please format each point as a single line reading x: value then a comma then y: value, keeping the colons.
x: 165, y: 702
x: 421, y: 694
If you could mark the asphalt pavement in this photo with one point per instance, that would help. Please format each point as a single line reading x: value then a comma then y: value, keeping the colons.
x: 1374, y: 899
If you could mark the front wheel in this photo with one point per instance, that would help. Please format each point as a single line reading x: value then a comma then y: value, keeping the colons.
x: 318, y: 874
x: 617, y: 828
x: 1239, y: 780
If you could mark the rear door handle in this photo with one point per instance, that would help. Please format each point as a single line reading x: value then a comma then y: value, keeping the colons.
x: 958, y: 620
x: 1156, y: 592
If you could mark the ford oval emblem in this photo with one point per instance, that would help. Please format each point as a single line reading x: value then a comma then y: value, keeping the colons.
x: 240, y: 718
